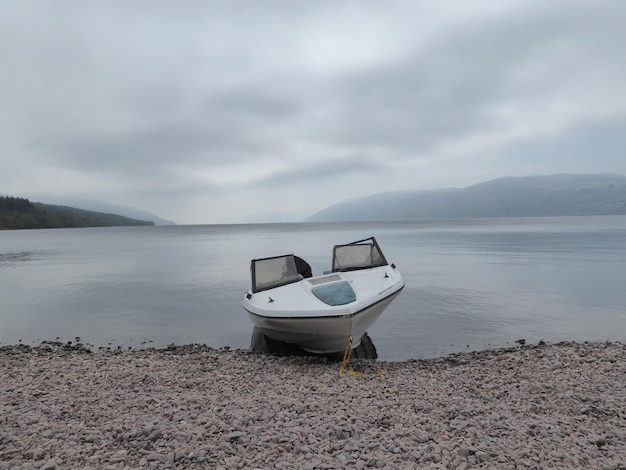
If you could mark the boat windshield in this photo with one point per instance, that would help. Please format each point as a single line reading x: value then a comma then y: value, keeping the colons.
x: 273, y: 272
x: 362, y: 254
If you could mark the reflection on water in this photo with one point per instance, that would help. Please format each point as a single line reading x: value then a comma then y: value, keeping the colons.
x: 263, y: 344
x: 469, y: 285
x: 6, y: 259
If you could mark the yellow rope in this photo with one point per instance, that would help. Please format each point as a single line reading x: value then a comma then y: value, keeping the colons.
x: 347, y: 354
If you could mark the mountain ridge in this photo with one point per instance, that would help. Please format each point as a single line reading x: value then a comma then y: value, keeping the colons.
x: 96, y: 205
x: 528, y: 196
x: 20, y: 213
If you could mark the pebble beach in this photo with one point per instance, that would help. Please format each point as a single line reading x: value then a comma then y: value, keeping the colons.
x: 542, y: 406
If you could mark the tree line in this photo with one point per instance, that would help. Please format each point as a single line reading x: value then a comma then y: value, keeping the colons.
x: 19, y: 213
x: 15, y: 204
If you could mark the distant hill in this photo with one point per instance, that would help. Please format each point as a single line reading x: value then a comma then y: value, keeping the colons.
x: 102, y: 206
x: 20, y: 213
x: 531, y: 196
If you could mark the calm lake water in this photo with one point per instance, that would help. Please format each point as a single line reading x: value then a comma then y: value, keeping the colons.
x: 470, y: 284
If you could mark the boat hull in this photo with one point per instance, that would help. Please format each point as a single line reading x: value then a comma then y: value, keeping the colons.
x: 324, y: 334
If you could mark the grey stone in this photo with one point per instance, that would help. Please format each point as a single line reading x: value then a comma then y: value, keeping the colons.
x: 234, y: 436
x: 49, y: 465
x: 155, y: 435
x: 38, y: 453
x: 156, y: 457
x: 128, y: 410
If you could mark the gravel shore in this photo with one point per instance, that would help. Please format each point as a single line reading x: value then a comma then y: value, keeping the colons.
x: 547, y: 406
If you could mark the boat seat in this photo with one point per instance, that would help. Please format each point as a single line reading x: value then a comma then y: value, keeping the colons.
x: 304, y: 269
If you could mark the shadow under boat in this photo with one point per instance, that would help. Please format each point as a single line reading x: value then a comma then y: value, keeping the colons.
x: 263, y: 344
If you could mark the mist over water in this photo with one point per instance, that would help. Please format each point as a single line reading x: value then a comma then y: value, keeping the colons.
x: 470, y: 284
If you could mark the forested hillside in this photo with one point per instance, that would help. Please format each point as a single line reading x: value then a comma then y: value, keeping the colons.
x: 531, y: 196
x: 20, y: 213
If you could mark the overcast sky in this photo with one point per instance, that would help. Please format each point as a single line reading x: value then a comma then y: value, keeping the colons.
x: 214, y: 112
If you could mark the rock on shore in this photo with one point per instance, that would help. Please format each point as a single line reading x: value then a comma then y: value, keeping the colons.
x: 549, y: 406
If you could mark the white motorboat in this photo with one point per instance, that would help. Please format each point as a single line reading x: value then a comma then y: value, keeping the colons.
x: 320, y: 314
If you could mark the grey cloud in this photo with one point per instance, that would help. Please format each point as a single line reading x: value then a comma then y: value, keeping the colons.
x: 161, y: 145
x: 158, y: 94
x: 451, y: 88
x: 588, y: 147
x: 255, y: 105
x: 233, y: 127
x: 313, y: 172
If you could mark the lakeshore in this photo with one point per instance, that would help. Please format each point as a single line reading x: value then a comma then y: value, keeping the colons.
x: 547, y: 406
x: 471, y: 285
